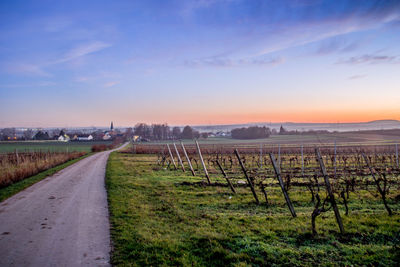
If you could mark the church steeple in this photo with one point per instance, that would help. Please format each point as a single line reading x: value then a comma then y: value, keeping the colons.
x: 112, y: 126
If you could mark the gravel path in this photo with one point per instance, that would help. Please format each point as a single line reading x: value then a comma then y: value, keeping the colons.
x: 59, y: 221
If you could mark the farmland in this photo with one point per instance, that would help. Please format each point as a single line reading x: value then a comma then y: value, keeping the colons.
x: 48, y: 146
x: 22, y: 160
x: 16, y: 187
x: 18, y: 166
x: 346, y: 138
x: 163, y: 216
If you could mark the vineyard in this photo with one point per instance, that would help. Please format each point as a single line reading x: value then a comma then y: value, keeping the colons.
x: 328, y: 174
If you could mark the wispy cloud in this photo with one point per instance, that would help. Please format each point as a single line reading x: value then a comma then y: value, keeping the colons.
x: 39, y: 69
x: 227, y: 62
x: 308, y: 25
x: 110, y: 84
x: 83, y: 50
x: 27, y: 69
x: 356, y: 77
x: 370, y: 59
x: 56, y: 24
x: 26, y: 85
x: 82, y: 79
x: 336, y: 45
x: 191, y: 6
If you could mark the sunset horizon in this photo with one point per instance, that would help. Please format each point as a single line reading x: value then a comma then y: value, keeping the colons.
x: 198, y: 62
x: 119, y: 124
x: 199, y: 133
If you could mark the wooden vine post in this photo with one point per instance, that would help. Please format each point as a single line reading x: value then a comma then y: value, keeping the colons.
x: 179, y: 158
x: 279, y: 156
x: 282, y: 185
x: 134, y: 149
x: 188, y: 160
x: 247, y: 177
x: 16, y: 155
x: 226, y: 176
x: 302, y: 161
x: 202, y: 162
x: 172, y: 157
x: 329, y: 189
x: 334, y: 163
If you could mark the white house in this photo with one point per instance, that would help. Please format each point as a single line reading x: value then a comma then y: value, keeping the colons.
x: 64, y: 138
x: 85, y: 137
x: 106, y: 136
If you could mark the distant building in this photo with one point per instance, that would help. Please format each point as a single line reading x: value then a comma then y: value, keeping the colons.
x: 64, y: 138
x: 83, y: 137
x: 107, y: 136
x: 98, y: 135
x: 112, y: 127
x: 222, y: 134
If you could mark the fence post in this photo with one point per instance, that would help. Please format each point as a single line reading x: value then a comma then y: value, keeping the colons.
x: 172, y: 157
x: 329, y: 189
x: 279, y: 156
x: 179, y: 158
x: 202, y: 162
x: 226, y: 177
x: 334, y: 160
x: 302, y: 161
x: 188, y: 160
x: 247, y: 177
x: 16, y: 154
x: 278, y: 175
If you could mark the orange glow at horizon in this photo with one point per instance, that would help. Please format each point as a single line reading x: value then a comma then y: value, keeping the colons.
x: 309, y: 116
x: 210, y: 116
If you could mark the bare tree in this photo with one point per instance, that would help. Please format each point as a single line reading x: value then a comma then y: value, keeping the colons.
x: 28, y: 134
x: 176, y: 132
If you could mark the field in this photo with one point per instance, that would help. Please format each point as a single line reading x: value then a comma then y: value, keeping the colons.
x: 14, y: 188
x: 18, y: 166
x: 348, y: 138
x: 162, y: 216
x: 48, y: 146
x: 20, y: 160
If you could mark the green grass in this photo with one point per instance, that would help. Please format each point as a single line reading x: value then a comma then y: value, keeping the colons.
x: 156, y: 221
x: 13, y: 189
x: 54, y: 146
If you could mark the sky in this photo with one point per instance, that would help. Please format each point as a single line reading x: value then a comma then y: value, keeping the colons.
x: 86, y: 63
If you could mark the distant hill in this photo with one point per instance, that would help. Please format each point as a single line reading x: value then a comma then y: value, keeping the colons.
x: 339, y: 127
x: 383, y: 121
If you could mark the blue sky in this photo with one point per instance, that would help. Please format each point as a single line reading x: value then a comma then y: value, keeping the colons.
x: 85, y: 63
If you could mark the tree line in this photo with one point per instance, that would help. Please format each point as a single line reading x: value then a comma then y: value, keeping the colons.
x: 256, y: 132
x: 253, y: 132
x: 164, y: 132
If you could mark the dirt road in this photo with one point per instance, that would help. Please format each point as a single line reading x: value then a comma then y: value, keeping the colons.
x: 60, y: 221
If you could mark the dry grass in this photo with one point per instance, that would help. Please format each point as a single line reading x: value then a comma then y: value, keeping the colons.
x: 16, y: 167
x: 101, y: 147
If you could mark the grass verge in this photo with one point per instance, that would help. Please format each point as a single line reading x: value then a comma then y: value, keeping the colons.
x: 158, y: 221
x: 13, y: 189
